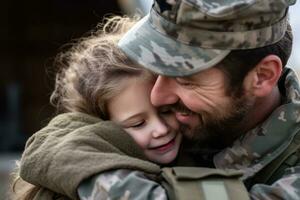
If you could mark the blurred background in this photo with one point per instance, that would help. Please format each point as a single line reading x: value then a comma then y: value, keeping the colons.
x: 31, y: 34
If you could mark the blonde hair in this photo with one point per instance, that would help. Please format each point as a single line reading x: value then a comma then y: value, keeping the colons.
x: 89, y: 75
x: 22, y: 190
x: 92, y: 70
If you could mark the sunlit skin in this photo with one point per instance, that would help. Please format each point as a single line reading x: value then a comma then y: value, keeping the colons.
x: 203, y: 104
x: 156, y: 132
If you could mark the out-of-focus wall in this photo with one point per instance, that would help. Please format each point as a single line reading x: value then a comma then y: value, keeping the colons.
x: 32, y: 33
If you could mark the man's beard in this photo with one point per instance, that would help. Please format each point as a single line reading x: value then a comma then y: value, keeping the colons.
x: 218, y: 131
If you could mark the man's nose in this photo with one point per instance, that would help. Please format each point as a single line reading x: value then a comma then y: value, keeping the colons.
x: 163, y: 92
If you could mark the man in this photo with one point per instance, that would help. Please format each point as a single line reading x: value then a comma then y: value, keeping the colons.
x: 221, y: 67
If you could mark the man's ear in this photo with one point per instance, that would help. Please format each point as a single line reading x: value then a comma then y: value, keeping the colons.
x: 261, y: 80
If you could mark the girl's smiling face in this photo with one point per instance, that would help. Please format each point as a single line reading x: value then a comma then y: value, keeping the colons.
x: 155, y: 131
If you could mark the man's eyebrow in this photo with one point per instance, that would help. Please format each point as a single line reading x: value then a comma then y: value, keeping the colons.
x: 187, y: 78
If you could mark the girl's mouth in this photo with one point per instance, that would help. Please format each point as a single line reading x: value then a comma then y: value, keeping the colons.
x: 165, y: 147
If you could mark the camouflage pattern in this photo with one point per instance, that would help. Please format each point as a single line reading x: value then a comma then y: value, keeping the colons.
x: 164, y: 56
x: 250, y: 154
x: 225, y: 24
x: 288, y: 187
x: 121, y: 184
x: 183, y: 37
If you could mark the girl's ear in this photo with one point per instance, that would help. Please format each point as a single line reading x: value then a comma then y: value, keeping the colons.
x: 261, y: 80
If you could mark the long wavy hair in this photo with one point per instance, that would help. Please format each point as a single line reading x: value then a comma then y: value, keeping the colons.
x: 89, y: 74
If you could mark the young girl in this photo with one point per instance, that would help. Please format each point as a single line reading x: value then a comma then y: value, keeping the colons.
x: 97, y: 79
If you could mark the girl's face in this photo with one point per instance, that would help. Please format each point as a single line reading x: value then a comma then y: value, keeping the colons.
x: 155, y: 131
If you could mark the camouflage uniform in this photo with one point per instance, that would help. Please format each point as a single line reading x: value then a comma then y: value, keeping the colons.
x: 251, y: 153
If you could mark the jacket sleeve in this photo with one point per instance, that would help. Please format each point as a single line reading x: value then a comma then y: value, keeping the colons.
x: 121, y: 184
x: 288, y: 187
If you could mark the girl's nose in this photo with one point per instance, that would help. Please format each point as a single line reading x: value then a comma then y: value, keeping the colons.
x: 160, y: 128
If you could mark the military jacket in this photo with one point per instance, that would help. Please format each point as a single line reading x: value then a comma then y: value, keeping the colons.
x: 250, y: 153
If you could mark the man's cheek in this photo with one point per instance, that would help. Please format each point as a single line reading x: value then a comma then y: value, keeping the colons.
x: 188, y: 124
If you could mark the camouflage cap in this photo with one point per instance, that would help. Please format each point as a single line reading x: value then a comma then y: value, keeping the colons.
x: 183, y: 37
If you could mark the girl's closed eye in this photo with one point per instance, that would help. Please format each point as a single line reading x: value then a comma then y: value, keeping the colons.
x: 138, y: 124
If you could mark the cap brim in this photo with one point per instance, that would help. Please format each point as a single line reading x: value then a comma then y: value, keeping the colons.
x: 165, y: 55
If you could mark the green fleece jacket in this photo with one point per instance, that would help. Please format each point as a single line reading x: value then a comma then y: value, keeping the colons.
x: 74, y: 138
